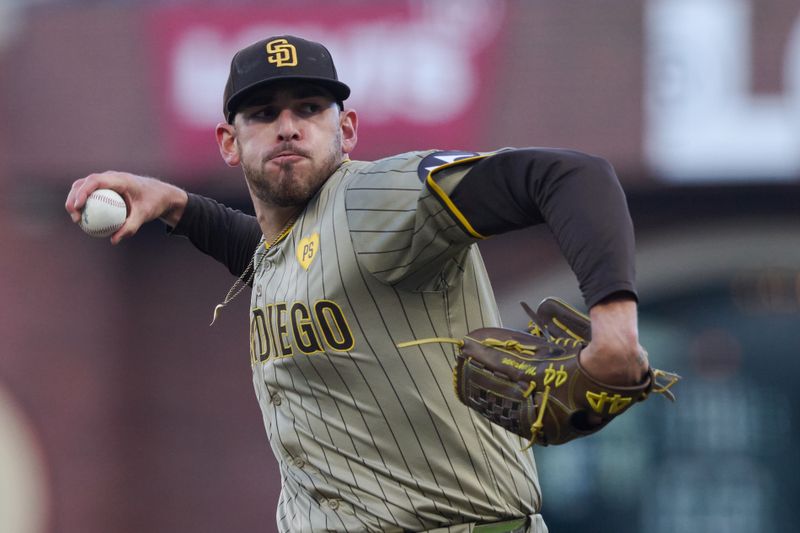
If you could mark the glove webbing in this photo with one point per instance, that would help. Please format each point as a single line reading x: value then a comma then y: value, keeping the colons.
x: 505, y: 345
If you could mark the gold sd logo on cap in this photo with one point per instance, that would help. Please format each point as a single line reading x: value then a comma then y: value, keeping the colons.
x: 281, y: 53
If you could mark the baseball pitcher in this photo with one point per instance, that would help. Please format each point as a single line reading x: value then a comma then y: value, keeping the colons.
x: 370, y: 302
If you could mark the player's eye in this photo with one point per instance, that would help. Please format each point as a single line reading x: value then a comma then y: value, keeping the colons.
x: 309, y: 108
x: 265, y: 113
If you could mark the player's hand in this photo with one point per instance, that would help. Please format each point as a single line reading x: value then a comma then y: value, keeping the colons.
x: 614, y: 355
x: 147, y: 199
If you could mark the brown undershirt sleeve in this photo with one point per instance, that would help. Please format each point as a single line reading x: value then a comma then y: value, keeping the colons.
x: 577, y: 195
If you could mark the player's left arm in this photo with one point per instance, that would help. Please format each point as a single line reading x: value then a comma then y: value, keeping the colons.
x: 581, y: 200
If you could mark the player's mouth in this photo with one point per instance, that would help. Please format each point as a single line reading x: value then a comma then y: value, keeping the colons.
x: 286, y: 155
x: 286, y: 158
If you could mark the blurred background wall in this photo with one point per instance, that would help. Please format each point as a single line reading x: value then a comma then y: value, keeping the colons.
x: 121, y: 410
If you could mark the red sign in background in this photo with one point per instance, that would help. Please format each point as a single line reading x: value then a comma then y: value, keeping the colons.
x: 417, y: 72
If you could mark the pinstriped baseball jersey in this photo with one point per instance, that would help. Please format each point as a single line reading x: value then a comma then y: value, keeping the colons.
x: 369, y: 436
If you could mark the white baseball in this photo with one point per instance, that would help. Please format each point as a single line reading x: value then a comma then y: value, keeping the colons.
x: 104, y: 213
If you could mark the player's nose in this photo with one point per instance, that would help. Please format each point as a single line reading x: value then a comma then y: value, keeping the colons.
x: 288, y: 126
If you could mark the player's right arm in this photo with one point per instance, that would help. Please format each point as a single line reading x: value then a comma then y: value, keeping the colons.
x: 227, y: 235
x: 147, y: 198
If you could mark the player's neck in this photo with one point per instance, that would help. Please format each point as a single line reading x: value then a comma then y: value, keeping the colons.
x: 274, y: 220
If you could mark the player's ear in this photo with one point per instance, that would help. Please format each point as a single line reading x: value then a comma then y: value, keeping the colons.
x: 226, y: 140
x: 348, y: 122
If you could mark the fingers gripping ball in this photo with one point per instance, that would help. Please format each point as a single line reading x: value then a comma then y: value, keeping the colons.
x: 104, y: 213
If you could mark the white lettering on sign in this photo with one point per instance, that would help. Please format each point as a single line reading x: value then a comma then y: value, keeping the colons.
x: 420, y: 70
x: 702, y: 120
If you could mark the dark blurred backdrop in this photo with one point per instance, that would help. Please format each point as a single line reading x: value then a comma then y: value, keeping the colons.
x: 121, y: 410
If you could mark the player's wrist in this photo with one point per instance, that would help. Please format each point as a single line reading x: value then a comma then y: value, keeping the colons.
x: 174, y: 202
x: 615, y: 348
x: 614, y: 365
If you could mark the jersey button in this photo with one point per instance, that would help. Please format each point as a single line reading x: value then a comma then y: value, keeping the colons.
x: 299, y: 463
x: 333, y: 504
x: 275, y: 399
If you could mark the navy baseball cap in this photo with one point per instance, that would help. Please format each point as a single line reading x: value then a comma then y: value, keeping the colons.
x: 284, y: 57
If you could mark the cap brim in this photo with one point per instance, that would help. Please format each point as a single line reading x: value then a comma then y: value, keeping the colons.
x: 339, y: 90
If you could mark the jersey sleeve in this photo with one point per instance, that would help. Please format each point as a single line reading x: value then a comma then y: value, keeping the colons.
x: 227, y: 235
x: 404, y: 229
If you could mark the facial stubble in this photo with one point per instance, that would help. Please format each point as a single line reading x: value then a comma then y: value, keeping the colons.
x: 287, y: 187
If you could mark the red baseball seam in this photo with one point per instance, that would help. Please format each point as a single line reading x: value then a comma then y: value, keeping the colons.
x: 107, y: 200
x: 103, y: 230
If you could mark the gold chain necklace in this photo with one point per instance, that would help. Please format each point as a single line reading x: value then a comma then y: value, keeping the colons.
x: 239, y: 285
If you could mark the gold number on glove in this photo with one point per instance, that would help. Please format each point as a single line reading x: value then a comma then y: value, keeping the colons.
x: 551, y: 375
x: 598, y: 402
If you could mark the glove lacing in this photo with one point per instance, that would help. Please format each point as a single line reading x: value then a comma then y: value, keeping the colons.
x: 572, y: 341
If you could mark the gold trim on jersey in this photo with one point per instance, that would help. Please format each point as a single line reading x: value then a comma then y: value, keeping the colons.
x: 434, y: 187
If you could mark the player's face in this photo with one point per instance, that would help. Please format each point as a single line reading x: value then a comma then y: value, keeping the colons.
x: 289, y: 142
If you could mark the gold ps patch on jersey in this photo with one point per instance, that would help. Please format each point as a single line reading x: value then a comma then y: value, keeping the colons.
x: 307, y: 250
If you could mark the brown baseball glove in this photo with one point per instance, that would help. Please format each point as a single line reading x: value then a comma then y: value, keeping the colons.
x: 532, y: 383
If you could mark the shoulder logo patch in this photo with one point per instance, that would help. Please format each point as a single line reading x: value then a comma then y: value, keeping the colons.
x: 307, y: 250
x: 438, y: 159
